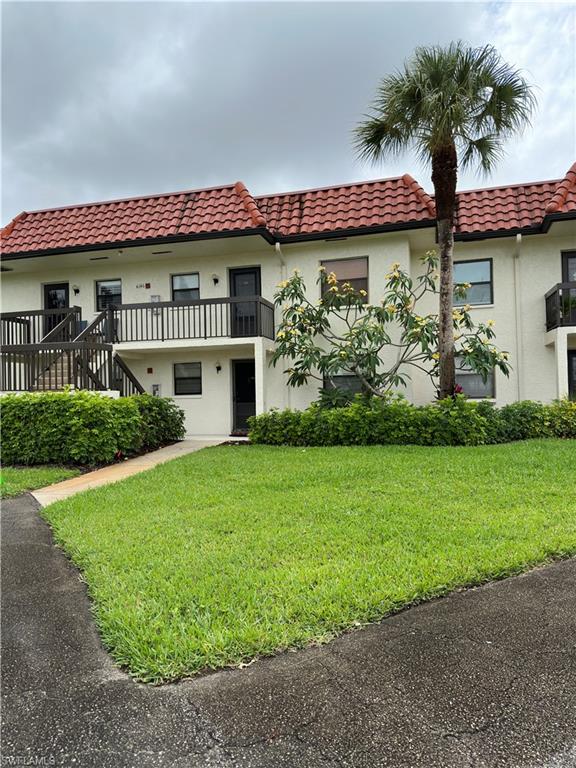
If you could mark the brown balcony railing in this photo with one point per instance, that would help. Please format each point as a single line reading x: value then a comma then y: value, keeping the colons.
x: 35, y: 326
x: 561, y: 306
x: 234, y: 317
x: 53, y: 366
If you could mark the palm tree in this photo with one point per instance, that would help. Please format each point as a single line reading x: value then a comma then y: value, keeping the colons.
x: 455, y: 106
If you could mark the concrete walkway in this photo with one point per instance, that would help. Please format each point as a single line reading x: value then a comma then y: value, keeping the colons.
x: 482, y: 679
x: 119, y: 471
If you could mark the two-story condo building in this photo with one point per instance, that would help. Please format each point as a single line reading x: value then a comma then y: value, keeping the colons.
x: 172, y: 293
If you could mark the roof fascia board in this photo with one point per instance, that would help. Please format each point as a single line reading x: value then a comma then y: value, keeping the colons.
x: 355, y: 232
x: 139, y: 243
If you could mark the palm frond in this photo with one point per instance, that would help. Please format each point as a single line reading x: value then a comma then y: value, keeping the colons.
x: 454, y: 95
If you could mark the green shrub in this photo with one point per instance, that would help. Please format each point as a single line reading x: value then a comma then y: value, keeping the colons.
x: 526, y: 419
x: 562, y: 414
x: 162, y: 421
x: 81, y: 427
x: 395, y: 422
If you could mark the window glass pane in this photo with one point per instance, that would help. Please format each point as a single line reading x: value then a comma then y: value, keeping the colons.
x: 185, y: 282
x: 472, y: 272
x: 480, y: 293
x: 185, y: 287
x: 471, y: 383
x: 344, y: 382
x: 188, y: 379
x: 184, y: 370
x: 348, y: 269
x: 187, y: 387
x: 473, y: 386
x: 108, y: 292
x: 353, y: 271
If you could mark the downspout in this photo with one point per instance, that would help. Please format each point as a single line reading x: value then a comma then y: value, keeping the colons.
x: 278, y: 249
x: 283, y: 274
x: 518, y: 318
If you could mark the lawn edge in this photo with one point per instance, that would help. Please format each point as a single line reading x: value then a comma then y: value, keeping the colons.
x: 487, y: 580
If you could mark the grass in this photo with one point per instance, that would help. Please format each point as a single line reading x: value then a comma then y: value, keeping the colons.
x: 234, y: 552
x: 17, y: 480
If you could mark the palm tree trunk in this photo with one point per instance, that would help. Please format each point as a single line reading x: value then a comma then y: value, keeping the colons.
x: 444, y: 177
x: 447, y: 372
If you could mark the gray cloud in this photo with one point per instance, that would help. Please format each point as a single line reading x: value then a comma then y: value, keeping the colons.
x: 106, y: 100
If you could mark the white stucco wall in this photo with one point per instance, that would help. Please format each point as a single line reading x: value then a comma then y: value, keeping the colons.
x: 522, y: 274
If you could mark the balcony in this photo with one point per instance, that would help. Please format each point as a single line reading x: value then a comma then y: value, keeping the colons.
x: 231, y: 317
x: 561, y: 306
x: 47, y: 350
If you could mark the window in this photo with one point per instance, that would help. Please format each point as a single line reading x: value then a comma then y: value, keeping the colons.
x: 187, y: 378
x: 108, y: 292
x: 186, y: 287
x: 472, y: 384
x: 344, y: 382
x: 568, y: 266
x: 479, y: 275
x: 353, y: 271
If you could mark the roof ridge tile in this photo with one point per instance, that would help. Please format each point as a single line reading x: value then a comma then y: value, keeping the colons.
x: 250, y: 204
x: 413, y: 186
x: 563, y: 188
x: 7, y: 230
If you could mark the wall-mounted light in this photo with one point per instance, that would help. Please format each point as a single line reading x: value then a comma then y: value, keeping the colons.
x: 215, y: 279
x: 76, y: 290
x: 218, y: 367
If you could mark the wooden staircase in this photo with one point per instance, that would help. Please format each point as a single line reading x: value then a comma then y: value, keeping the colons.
x: 64, y: 358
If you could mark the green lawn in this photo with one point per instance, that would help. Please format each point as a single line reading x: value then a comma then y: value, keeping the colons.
x: 17, y: 480
x: 240, y: 551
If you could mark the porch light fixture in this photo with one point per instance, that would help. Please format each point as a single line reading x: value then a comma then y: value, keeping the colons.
x: 76, y: 290
x: 215, y: 279
x: 218, y: 367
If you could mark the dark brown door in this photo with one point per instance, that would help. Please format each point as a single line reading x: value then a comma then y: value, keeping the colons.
x: 244, y: 314
x: 569, y: 294
x: 572, y: 374
x: 243, y: 394
x: 56, y: 296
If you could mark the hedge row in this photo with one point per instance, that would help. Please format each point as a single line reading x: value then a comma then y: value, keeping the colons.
x: 396, y: 422
x: 84, y: 427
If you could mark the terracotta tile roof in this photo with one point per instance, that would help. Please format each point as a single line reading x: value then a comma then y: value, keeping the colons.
x: 503, y: 208
x: 385, y: 203
x: 564, y: 199
x: 204, y: 211
x: 371, y: 204
x: 519, y: 206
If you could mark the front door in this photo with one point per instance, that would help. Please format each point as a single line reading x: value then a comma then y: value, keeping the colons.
x: 244, y: 314
x: 56, y: 296
x: 243, y: 394
x: 572, y: 374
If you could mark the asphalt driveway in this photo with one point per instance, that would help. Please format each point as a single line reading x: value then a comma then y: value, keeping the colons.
x: 485, y: 677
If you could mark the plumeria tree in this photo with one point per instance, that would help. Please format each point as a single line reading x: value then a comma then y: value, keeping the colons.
x: 342, y: 334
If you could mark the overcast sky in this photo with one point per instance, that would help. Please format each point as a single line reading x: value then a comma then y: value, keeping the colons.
x: 104, y: 100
